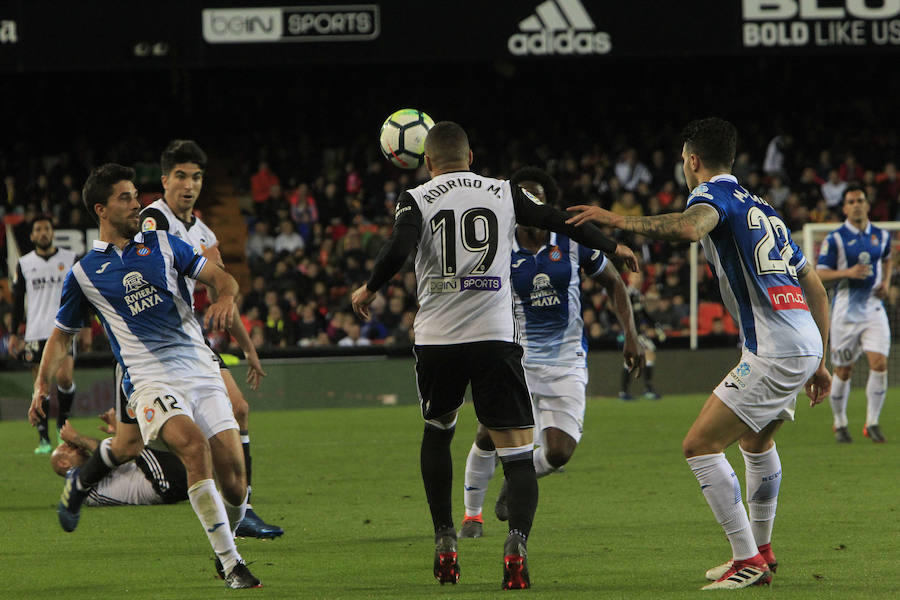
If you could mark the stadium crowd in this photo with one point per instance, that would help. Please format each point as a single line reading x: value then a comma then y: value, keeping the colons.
x: 312, y: 240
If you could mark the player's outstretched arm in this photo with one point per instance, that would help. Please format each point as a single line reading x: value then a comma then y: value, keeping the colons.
x: 819, y: 385
x: 633, y: 351
x: 689, y: 226
x: 55, y: 352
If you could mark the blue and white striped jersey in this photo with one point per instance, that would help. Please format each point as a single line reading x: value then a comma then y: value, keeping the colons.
x: 547, y: 296
x: 845, y: 247
x: 141, y: 296
x: 756, y: 263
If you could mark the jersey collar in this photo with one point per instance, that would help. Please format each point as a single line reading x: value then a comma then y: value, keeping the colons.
x: 856, y: 231
x: 104, y: 247
x: 724, y: 177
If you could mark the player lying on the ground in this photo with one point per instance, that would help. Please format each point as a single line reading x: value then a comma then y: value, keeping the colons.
x: 546, y: 285
x: 857, y: 258
x: 775, y: 295
x: 154, y: 477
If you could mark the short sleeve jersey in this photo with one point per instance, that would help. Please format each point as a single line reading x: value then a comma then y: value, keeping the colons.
x: 462, y: 264
x: 157, y: 216
x: 756, y: 263
x: 547, y: 293
x: 43, y: 277
x: 846, y: 247
x: 140, y: 294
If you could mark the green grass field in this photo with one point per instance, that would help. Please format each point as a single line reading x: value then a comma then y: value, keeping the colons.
x: 626, y: 520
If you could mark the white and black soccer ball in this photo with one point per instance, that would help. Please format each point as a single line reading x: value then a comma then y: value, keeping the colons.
x: 403, y: 137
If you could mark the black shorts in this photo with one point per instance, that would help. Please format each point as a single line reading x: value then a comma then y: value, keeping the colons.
x: 34, y: 350
x: 123, y: 414
x: 494, y: 369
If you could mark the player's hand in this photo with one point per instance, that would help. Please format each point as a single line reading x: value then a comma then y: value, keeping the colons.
x: 880, y: 290
x: 254, y: 370
x: 625, y: 254
x: 361, y: 299
x: 587, y: 213
x: 68, y: 433
x: 36, y: 411
x: 819, y: 385
x: 634, y: 356
x: 858, y: 271
x: 108, y: 417
x: 14, y: 345
x: 220, y: 313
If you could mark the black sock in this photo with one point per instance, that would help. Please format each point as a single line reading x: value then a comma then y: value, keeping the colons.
x: 94, y: 469
x: 64, y: 400
x: 248, y: 462
x: 648, y: 377
x: 437, y: 474
x: 42, y: 424
x: 626, y: 379
x: 522, y: 490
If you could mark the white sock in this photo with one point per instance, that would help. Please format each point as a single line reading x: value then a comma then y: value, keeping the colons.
x: 235, y: 513
x: 840, y: 389
x: 210, y: 509
x: 541, y: 466
x: 763, y: 472
x: 875, y: 393
x: 479, y: 470
x: 722, y: 490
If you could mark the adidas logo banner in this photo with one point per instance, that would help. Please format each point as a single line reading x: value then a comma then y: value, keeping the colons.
x: 561, y: 27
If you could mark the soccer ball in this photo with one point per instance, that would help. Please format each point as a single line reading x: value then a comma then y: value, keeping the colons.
x: 403, y: 137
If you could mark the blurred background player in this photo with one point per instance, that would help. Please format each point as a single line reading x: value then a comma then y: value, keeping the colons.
x: 646, y: 328
x: 154, y: 477
x: 784, y: 329
x: 183, y: 165
x: 463, y: 225
x: 39, y: 281
x: 546, y: 289
x: 135, y: 283
x: 857, y: 257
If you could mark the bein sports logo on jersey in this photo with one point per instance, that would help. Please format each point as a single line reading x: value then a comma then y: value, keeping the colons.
x: 139, y: 294
x: 480, y: 284
x: 787, y: 297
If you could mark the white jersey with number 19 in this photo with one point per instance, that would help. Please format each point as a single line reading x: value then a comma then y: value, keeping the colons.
x: 462, y: 265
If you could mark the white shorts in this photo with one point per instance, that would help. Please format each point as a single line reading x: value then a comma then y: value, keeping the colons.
x: 850, y: 339
x: 557, y: 397
x: 202, y: 398
x: 761, y: 390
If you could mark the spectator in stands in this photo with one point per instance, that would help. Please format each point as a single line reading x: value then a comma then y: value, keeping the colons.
x: 889, y: 188
x: 353, y: 337
x: 259, y: 240
x: 288, y: 240
x: 630, y: 171
x: 833, y: 189
x: 261, y: 184
x: 778, y: 192
x: 743, y: 166
x: 850, y: 170
x: 627, y: 206
x: 775, y: 162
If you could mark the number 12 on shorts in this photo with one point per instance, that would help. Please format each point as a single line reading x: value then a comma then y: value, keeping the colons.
x: 172, y: 400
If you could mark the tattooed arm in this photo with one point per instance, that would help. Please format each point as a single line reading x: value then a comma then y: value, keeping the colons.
x: 689, y: 226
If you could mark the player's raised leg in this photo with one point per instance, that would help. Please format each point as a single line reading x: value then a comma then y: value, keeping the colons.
x: 716, y: 428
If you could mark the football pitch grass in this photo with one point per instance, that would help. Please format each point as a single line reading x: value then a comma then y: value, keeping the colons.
x: 626, y: 520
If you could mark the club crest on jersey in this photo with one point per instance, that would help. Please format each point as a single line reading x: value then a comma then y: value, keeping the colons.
x: 149, y: 413
x: 542, y: 292
x: 139, y: 294
x: 555, y: 254
x: 61, y: 267
x: 701, y: 191
x: 142, y: 250
x: 874, y: 240
x: 149, y: 224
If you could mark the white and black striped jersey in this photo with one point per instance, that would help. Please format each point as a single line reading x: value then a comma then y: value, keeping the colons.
x: 157, y: 216
x: 153, y: 477
x: 39, y: 282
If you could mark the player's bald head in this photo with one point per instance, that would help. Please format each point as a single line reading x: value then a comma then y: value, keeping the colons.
x: 447, y: 145
x: 64, y: 457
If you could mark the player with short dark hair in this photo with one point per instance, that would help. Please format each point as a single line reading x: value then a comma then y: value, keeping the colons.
x: 135, y: 282
x: 777, y: 299
x: 546, y: 285
x: 38, y: 284
x: 856, y: 258
x: 463, y: 225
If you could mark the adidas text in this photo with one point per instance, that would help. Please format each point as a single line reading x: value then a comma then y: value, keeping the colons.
x: 566, y: 42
